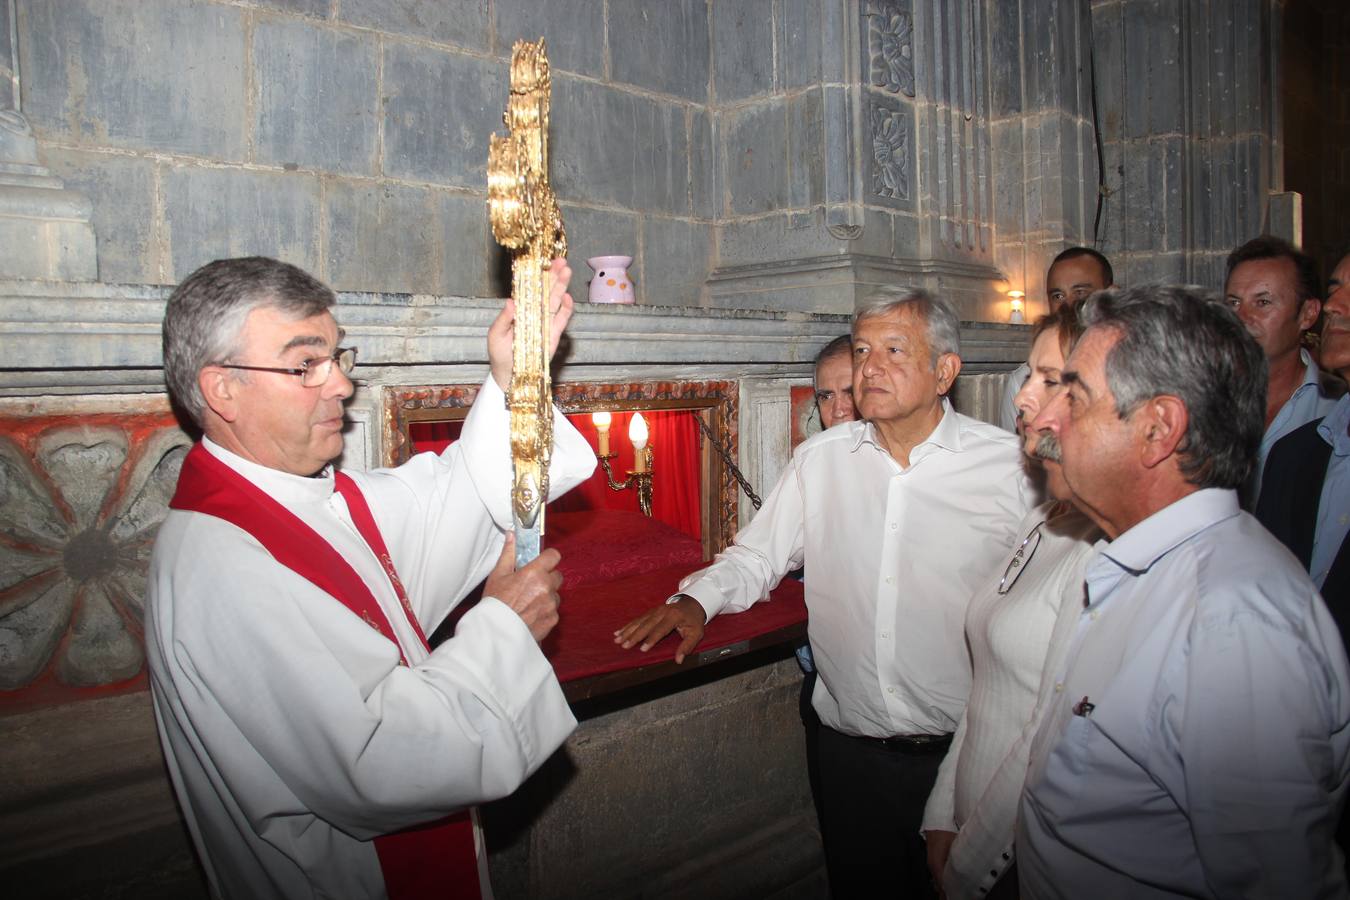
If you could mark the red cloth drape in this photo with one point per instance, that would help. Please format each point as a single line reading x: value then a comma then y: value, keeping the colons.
x: 675, y: 498
x: 673, y: 437
x: 434, y: 436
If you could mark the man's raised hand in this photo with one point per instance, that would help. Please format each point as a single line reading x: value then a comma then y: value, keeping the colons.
x: 502, y: 330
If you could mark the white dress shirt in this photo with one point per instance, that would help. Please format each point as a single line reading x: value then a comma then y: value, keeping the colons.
x: 1017, y: 643
x: 892, y: 557
x: 292, y: 733
x: 1199, y: 745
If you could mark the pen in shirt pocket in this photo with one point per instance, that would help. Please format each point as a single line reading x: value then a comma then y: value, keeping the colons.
x: 1084, y: 707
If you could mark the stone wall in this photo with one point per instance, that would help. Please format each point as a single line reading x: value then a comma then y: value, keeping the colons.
x: 351, y: 138
x: 1043, y: 137
x: 1315, y: 103
x: 9, y: 85
x: 860, y: 155
x: 1186, y: 96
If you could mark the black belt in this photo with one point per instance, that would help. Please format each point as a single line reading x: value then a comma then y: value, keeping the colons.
x: 910, y: 743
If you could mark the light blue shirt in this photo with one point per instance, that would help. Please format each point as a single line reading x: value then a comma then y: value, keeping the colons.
x: 1308, y: 402
x: 1199, y: 744
x: 1333, y: 510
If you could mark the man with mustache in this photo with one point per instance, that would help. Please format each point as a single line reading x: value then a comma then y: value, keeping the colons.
x: 1198, y: 742
x: 317, y: 745
x: 897, y: 519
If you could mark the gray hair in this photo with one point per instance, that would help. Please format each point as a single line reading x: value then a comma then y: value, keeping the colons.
x: 206, y: 313
x: 1184, y: 342
x: 944, y: 328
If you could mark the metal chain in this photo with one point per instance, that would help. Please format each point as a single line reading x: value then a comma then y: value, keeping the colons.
x: 726, y: 458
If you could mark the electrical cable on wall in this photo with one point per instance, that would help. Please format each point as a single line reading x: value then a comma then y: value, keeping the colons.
x: 1103, y: 192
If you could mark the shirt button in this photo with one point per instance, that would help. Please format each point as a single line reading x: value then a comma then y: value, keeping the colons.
x: 894, y: 526
x: 890, y: 579
x: 886, y: 634
x: 1093, y: 615
x: 1059, y: 687
x: 891, y: 689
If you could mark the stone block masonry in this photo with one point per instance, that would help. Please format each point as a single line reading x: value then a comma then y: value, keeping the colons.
x: 351, y: 138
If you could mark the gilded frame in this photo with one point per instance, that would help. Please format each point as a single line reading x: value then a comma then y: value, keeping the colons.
x: 715, y: 402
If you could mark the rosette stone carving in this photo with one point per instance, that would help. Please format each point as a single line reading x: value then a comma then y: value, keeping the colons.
x: 890, y: 154
x: 79, y: 507
x: 890, y: 47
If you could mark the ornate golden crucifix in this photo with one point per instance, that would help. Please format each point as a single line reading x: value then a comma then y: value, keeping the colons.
x: 526, y: 220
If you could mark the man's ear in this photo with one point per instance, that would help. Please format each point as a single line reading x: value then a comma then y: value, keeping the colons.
x: 1308, y: 313
x: 220, y: 389
x: 1162, y: 421
x: 948, y: 367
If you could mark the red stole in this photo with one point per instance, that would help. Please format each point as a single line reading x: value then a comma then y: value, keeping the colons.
x: 433, y: 860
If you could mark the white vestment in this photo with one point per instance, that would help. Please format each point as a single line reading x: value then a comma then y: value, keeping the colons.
x: 292, y: 733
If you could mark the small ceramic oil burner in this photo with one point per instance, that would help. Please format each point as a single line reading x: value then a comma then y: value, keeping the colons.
x: 611, y: 283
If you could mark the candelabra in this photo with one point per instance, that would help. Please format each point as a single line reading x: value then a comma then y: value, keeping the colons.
x: 640, y: 476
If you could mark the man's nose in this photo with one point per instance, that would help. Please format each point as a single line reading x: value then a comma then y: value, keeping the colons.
x: 339, y: 384
x: 1047, y: 419
x: 1338, y: 301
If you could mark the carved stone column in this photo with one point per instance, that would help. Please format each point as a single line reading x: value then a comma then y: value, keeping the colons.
x: 900, y: 192
x: 45, y: 230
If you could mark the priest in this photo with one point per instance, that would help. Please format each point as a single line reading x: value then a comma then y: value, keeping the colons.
x: 317, y: 745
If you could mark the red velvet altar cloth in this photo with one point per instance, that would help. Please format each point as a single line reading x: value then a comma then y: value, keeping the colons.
x: 588, y: 662
x: 605, y: 545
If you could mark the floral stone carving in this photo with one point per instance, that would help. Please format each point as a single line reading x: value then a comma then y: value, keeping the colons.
x: 80, y: 503
x: 890, y: 153
x: 890, y: 47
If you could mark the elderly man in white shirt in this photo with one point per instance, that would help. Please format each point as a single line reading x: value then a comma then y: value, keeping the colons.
x: 317, y: 745
x: 1199, y: 743
x: 897, y: 519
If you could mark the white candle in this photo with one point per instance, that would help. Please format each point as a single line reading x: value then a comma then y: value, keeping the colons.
x: 601, y: 421
x: 637, y: 433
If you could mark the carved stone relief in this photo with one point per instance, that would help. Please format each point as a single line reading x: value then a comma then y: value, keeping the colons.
x: 890, y: 153
x: 79, y: 507
x: 890, y: 46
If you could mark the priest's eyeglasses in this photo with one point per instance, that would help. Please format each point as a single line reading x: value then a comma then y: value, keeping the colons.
x: 1020, y: 559
x: 312, y: 372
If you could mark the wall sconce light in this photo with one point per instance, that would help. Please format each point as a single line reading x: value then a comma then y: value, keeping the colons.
x: 640, y: 476
x: 1015, y: 302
